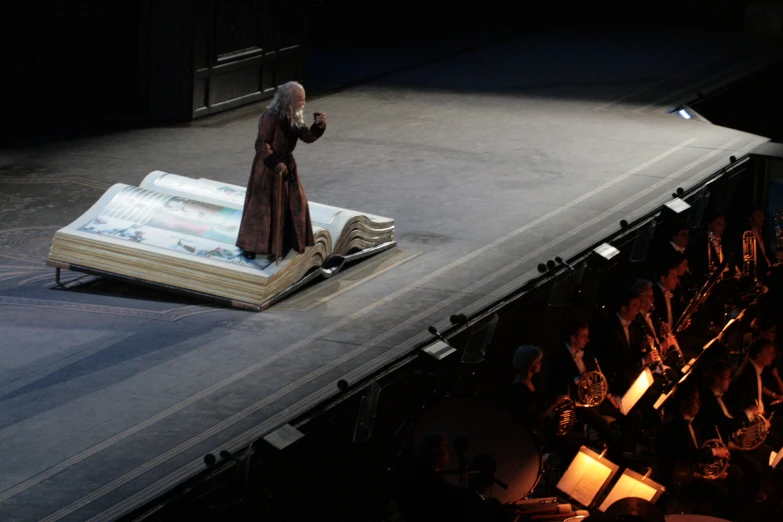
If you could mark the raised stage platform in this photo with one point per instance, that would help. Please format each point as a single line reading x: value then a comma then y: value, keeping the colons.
x: 490, y: 163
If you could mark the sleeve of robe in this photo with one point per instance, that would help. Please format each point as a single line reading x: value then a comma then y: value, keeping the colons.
x: 312, y: 133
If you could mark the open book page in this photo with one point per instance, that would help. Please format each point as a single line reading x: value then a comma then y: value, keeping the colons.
x: 629, y: 486
x: 182, y: 227
x: 584, y: 478
x: 331, y: 219
x: 206, y: 190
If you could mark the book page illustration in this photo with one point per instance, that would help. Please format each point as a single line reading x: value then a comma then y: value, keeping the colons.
x: 172, y: 223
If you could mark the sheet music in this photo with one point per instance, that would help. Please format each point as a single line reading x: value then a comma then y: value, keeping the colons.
x: 775, y: 457
x: 626, y: 487
x: 636, y: 391
x: 584, y: 478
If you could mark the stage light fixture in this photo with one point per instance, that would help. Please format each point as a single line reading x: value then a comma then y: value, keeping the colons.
x: 677, y: 205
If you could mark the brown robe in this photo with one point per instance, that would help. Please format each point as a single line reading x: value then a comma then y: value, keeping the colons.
x: 276, y: 213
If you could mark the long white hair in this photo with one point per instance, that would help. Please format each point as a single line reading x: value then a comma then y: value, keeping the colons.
x: 282, y: 104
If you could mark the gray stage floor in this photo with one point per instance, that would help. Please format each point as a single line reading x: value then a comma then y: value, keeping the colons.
x: 490, y: 162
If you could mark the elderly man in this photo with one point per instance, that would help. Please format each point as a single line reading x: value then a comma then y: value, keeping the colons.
x: 276, y: 217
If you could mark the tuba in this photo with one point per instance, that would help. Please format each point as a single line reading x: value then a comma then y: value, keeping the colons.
x: 713, y: 470
x: 592, y: 388
x: 753, y: 435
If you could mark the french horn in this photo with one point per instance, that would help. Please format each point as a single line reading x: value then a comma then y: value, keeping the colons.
x: 714, y: 469
x: 592, y: 388
x: 753, y: 435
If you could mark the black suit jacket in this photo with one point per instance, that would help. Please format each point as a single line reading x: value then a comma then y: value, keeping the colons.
x: 744, y: 389
x: 675, y: 451
x: 660, y: 305
x: 619, y: 359
x: 562, y: 370
x: 711, y: 415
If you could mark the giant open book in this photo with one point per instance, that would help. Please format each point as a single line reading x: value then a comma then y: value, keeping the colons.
x: 179, y: 233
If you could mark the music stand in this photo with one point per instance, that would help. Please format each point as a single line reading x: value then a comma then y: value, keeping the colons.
x: 636, y: 391
x: 479, y: 339
x: 367, y: 410
x: 563, y: 289
x: 642, y: 242
x: 633, y: 485
x: 587, y: 476
x: 698, y: 206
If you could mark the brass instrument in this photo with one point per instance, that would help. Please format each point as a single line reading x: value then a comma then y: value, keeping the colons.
x: 716, y: 468
x: 666, y: 331
x: 749, y: 254
x: 753, y: 435
x: 565, y: 415
x: 711, y: 264
x: 592, y: 388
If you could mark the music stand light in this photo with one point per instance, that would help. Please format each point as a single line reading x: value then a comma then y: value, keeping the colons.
x: 633, y: 485
x: 674, y: 208
x: 636, y: 391
x: 283, y: 436
x: 603, y: 254
x: 587, y: 476
x: 439, y: 350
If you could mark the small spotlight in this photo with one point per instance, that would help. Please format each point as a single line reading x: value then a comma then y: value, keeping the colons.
x: 685, y: 114
x: 682, y: 111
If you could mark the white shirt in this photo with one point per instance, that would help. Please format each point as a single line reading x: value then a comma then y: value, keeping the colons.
x: 693, y: 433
x: 625, y: 324
x: 719, y: 397
x: 759, y: 369
x: 652, y: 328
x: 760, y: 400
x: 679, y: 249
x: 668, y: 298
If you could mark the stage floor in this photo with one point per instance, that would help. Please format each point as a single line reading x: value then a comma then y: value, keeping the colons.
x: 490, y: 162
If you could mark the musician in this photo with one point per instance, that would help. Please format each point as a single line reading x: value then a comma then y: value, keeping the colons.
x: 764, y: 259
x: 714, y: 414
x: 667, y: 306
x: 425, y: 496
x: 570, y: 362
x: 651, y: 324
x: 679, y: 237
x: 679, y: 451
x: 766, y: 328
x: 707, y: 250
x: 528, y: 399
x: 746, y: 392
x: 529, y: 402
